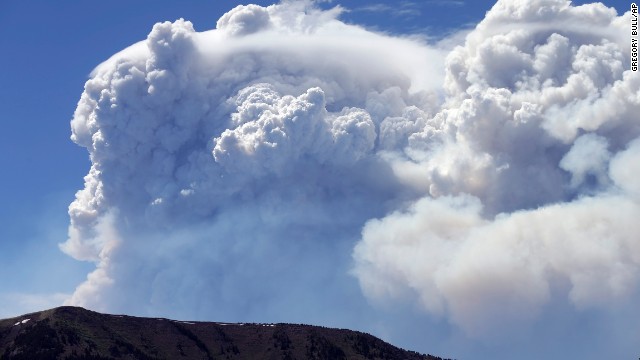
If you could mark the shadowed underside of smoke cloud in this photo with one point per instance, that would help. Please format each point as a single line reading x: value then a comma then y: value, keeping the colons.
x: 247, y: 170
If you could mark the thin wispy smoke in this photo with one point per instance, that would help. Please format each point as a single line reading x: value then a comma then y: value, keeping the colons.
x: 264, y: 168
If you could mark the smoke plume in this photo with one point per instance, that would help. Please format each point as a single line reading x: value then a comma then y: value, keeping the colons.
x: 260, y: 171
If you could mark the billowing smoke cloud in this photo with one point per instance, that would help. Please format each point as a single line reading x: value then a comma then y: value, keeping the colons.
x: 238, y: 164
x: 528, y: 172
x: 248, y: 172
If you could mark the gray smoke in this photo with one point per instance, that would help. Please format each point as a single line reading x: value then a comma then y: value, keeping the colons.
x: 252, y: 170
x: 526, y: 169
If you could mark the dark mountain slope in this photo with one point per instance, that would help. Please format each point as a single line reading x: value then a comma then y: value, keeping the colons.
x: 76, y: 333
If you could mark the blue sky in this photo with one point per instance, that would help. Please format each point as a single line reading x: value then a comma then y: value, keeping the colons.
x: 48, y: 52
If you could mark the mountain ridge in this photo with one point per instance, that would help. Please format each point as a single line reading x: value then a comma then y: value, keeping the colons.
x: 75, y: 333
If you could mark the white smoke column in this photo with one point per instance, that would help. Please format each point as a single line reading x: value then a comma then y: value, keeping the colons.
x: 527, y: 169
x: 233, y: 169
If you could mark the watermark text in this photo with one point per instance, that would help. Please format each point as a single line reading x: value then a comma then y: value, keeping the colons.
x: 634, y: 37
